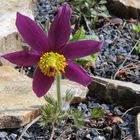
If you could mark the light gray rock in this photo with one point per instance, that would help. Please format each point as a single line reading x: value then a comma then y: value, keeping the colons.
x: 125, y: 8
x: 123, y: 93
x: 99, y: 138
x: 3, y: 134
x: 10, y: 40
x: 18, y: 103
x: 138, y: 126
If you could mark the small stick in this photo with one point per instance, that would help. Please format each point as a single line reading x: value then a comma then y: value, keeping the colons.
x: 28, y: 126
x: 130, y: 110
x: 52, y: 134
x: 126, y: 58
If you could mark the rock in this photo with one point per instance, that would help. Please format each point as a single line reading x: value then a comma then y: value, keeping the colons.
x: 3, y: 134
x: 10, y: 40
x: 124, y: 8
x: 19, y: 104
x: 99, y: 138
x: 113, y: 91
x: 138, y: 126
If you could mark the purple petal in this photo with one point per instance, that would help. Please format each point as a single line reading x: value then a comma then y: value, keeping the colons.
x: 60, y: 29
x: 77, y: 74
x: 81, y: 48
x: 32, y: 33
x: 41, y: 83
x: 23, y: 58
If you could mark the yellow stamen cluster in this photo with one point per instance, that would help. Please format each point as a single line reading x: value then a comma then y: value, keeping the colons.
x: 52, y: 64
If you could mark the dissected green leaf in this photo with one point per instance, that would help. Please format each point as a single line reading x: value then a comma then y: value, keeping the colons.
x: 97, y: 113
x: 79, y: 35
x: 136, y: 28
x: 91, y: 37
x: 102, y: 2
x: 138, y: 49
x: 69, y: 95
x: 91, y: 58
x: 90, y: 9
x: 90, y: 2
x: 50, y: 100
x: 79, y: 117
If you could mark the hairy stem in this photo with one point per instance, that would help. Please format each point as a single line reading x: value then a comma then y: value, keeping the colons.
x: 58, y: 88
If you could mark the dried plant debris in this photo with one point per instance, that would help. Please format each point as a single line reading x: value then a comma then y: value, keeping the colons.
x: 89, y: 120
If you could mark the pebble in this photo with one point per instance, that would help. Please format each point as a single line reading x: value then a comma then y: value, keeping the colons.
x: 117, y: 111
x: 3, y: 134
x: 99, y: 138
x: 13, y: 136
x: 88, y: 137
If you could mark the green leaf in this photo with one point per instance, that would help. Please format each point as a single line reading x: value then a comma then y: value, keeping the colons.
x: 90, y: 2
x: 69, y: 95
x: 136, y: 28
x: 102, y: 2
x: 91, y: 37
x: 80, y: 34
x: 138, y: 49
x: 79, y: 117
x: 90, y: 58
x: 49, y: 100
x: 97, y: 113
x: 85, y: 59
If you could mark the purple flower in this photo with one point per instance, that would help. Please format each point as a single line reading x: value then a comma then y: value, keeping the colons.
x: 52, y: 53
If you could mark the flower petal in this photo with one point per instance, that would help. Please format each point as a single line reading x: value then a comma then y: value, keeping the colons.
x: 60, y: 29
x: 23, y: 58
x: 41, y: 83
x: 81, y: 48
x: 32, y: 33
x: 77, y: 74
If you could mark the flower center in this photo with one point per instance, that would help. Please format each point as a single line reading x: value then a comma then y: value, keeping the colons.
x: 52, y: 64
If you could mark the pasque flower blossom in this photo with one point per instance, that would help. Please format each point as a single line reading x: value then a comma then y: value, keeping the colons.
x: 52, y: 53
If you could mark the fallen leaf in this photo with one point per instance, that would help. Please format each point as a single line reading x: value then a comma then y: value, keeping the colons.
x: 116, y: 119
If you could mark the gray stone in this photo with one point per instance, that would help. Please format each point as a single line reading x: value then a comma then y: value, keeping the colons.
x: 113, y: 91
x: 3, y: 134
x: 138, y: 126
x: 125, y: 8
x: 18, y: 103
x: 99, y: 138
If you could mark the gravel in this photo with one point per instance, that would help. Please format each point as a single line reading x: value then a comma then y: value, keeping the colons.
x: 93, y: 129
x: 45, y: 10
x: 119, y: 42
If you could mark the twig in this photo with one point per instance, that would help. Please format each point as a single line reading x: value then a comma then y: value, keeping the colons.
x: 52, y: 134
x: 28, y: 126
x: 130, y: 110
x: 63, y: 133
x: 7, y: 138
x: 126, y: 58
